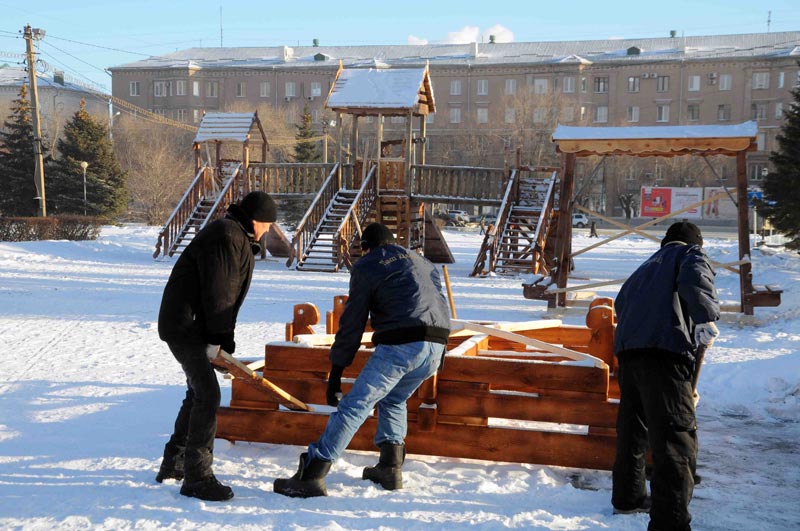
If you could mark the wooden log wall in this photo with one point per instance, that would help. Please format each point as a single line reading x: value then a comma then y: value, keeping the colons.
x: 489, y: 401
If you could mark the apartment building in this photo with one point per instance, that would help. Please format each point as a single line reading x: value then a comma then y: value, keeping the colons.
x: 493, y: 99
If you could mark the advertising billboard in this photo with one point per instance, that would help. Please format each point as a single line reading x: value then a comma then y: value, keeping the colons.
x: 720, y: 208
x: 659, y: 201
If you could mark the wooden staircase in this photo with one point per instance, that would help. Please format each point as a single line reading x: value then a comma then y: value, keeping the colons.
x: 322, y: 254
x: 521, y: 242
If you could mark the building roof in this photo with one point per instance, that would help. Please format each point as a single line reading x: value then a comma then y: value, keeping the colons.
x: 396, y: 89
x: 648, y: 50
x: 745, y: 129
x: 14, y: 77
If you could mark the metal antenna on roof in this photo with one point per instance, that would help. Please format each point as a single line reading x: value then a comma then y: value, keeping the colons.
x: 769, y: 19
x: 220, y: 24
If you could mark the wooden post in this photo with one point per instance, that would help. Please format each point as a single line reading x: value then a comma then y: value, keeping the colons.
x: 564, y: 231
x: 380, y: 141
x: 449, y: 292
x: 423, y: 133
x: 745, y: 270
x: 339, y: 134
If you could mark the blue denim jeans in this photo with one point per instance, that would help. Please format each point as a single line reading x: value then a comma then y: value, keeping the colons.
x: 388, y: 379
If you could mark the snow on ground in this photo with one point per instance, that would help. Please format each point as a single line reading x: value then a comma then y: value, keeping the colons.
x: 88, y: 395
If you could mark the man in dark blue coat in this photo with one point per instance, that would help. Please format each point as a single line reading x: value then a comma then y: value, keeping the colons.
x: 665, y: 312
x: 197, y: 318
x: 402, y: 294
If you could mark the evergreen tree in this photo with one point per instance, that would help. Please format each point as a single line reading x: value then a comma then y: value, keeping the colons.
x: 86, y: 140
x: 782, y: 185
x: 17, y: 162
x: 306, y: 151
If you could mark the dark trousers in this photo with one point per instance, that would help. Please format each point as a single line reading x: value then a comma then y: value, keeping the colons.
x: 196, y: 424
x: 656, y: 409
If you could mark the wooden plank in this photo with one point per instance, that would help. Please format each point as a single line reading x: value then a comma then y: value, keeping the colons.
x: 470, y: 442
x: 535, y: 375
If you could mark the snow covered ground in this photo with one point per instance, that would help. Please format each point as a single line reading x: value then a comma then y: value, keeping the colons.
x: 88, y: 395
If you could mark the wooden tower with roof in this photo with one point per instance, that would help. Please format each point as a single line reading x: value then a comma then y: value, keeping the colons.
x: 376, y: 186
x: 218, y: 181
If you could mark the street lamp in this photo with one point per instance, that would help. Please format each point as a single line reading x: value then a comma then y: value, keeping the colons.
x: 84, y: 165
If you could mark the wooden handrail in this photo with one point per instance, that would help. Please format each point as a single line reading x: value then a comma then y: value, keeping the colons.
x: 355, y: 216
x: 226, y: 196
x: 304, y: 232
x: 178, y: 218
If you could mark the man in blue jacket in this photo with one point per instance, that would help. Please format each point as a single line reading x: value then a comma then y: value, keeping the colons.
x: 665, y: 312
x: 197, y: 318
x: 402, y: 294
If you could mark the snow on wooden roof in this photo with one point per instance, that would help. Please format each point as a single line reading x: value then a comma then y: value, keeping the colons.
x: 385, y: 91
x: 657, y: 140
x: 229, y: 127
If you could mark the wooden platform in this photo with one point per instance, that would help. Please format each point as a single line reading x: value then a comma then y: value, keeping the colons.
x: 536, y: 392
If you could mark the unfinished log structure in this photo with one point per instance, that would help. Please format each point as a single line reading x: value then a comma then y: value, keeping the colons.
x: 534, y: 392
x: 662, y: 141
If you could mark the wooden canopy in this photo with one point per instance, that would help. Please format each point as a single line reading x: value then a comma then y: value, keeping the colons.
x: 230, y: 127
x: 658, y: 141
x: 385, y: 91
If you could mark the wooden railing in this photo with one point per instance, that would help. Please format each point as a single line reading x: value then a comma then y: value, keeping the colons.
x: 543, y: 226
x: 293, y: 179
x: 202, y: 185
x: 463, y: 184
x: 304, y: 234
x: 232, y: 191
x: 356, y: 215
x: 492, y: 239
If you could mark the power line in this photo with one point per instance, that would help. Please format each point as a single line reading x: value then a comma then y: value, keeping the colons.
x: 79, y: 59
x: 98, y: 46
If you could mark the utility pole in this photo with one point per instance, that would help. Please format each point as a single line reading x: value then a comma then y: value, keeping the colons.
x: 38, y: 173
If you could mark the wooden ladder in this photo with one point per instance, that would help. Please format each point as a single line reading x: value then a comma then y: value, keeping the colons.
x: 322, y: 254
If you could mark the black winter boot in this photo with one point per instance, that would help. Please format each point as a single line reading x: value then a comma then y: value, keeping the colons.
x: 308, y: 482
x: 388, y: 472
x: 171, y: 465
x: 207, y: 488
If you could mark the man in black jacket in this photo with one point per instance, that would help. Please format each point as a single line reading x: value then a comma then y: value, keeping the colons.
x: 197, y: 318
x: 402, y: 294
x: 666, y: 311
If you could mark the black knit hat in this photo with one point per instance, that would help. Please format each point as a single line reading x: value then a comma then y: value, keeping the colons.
x: 685, y: 232
x: 376, y: 235
x: 259, y: 206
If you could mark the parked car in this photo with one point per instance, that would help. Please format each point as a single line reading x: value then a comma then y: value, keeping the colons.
x: 458, y: 217
x: 580, y: 220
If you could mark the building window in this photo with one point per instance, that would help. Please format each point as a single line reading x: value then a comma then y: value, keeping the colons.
x: 160, y: 112
x: 539, y: 115
x: 264, y: 89
x: 369, y: 119
x: 633, y: 114
x: 429, y: 119
x: 693, y: 112
x: 633, y: 84
x: 483, y: 87
x: 662, y: 113
x: 196, y: 115
x: 135, y: 88
x: 780, y: 79
x: 182, y: 115
x: 583, y: 113
x: 760, y: 80
x: 724, y: 112
x: 540, y: 86
x: 397, y: 119
x: 758, y: 111
x: 316, y: 115
x: 601, y: 85
x: 569, y: 85
x: 316, y: 89
x: 180, y: 87
x: 568, y: 114
x: 160, y: 89
x: 601, y: 114
x: 694, y: 84
x: 511, y: 87
x: 659, y: 172
x: 241, y: 89
x: 583, y: 84
x: 291, y: 89
x: 725, y: 82
x: 455, y: 87
x: 797, y: 79
x: 482, y: 115
x: 510, y: 115
x: 212, y: 89
x: 196, y: 88
x: 455, y: 115
x: 761, y: 142
x: 755, y: 172
x: 662, y: 84
x: 779, y: 111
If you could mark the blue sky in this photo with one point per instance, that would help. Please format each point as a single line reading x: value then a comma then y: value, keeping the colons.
x: 135, y: 29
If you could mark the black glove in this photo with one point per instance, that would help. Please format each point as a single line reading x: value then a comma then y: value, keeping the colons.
x: 334, y: 392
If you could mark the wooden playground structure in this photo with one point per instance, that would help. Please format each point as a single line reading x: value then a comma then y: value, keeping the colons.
x: 533, y: 392
x: 532, y: 233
